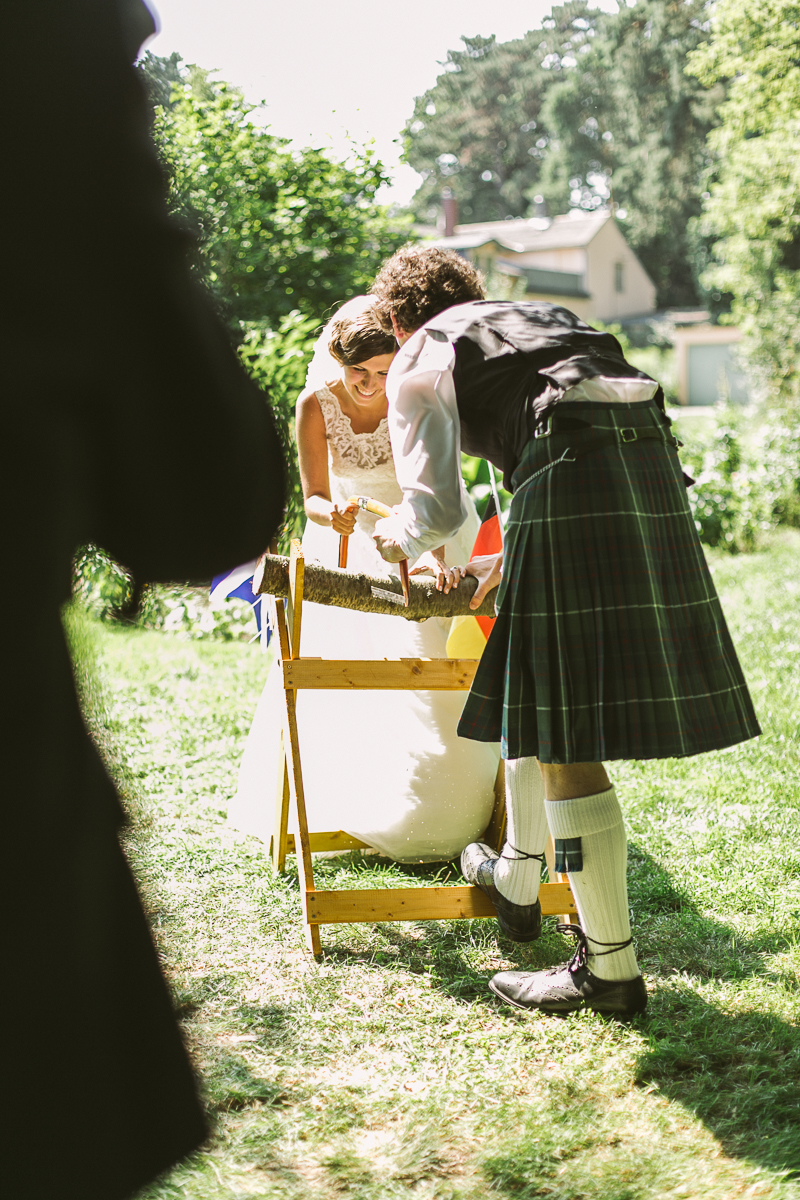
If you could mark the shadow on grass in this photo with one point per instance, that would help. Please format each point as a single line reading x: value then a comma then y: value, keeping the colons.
x: 736, y: 1067
x: 740, y: 1073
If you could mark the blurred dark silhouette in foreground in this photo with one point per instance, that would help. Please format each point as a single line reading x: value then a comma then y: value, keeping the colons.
x: 121, y: 399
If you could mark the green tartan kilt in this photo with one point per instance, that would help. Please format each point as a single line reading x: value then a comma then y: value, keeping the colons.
x: 610, y: 642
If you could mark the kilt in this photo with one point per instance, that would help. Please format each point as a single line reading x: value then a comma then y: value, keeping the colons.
x: 610, y: 641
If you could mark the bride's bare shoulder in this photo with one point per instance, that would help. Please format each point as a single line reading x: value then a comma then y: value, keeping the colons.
x: 308, y: 404
x: 314, y: 399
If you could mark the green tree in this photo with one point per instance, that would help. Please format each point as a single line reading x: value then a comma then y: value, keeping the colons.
x: 277, y: 360
x: 162, y: 76
x: 279, y: 228
x: 753, y: 211
x: 593, y: 108
x: 479, y: 129
x: 630, y: 127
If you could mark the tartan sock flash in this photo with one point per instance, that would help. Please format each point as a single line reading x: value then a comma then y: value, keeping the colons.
x: 598, y: 877
x: 515, y: 877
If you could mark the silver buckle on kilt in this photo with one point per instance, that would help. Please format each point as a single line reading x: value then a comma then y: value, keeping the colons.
x: 544, y: 430
x: 628, y: 434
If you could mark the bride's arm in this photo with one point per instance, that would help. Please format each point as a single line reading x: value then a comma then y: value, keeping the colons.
x: 312, y: 450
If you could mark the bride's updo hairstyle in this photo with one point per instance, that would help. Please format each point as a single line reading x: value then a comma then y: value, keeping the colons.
x: 419, y: 282
x: 359, y: 338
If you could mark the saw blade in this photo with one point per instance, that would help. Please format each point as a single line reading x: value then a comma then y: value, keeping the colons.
x: 382, y: 594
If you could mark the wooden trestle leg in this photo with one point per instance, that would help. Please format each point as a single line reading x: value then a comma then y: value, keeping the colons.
x: 384, y: 904
x: 280, y: 837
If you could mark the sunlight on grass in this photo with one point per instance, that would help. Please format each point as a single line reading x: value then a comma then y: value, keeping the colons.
x: 387, y: 1069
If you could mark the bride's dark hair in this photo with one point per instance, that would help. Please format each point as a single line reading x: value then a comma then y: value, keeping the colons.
x: 357, y: 339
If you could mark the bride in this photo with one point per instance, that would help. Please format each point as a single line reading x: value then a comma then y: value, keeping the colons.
x: 386, y: 767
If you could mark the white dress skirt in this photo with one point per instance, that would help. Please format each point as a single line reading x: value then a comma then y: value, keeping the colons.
x: 386, y: 767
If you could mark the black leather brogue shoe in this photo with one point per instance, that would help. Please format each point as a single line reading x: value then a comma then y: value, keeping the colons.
x: 571, y: 987
x: 520, y: 922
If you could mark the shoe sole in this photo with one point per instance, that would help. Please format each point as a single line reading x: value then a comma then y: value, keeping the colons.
x: 567, y: 1008
x: 516, y: 937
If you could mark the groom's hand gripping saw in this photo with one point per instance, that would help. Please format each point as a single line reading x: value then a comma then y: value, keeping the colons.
x: 488, y: 570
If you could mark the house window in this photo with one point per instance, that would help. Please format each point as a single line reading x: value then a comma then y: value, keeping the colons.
x: 619, y: 277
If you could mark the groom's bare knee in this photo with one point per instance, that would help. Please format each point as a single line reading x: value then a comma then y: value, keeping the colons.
x: 568, y: 781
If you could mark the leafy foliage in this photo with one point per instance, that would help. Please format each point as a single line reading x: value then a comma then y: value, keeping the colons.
x: 747, y: 471
x: 754, y: 205
x: 480, y: 131
x: 105, y: 589
x: 729, y: 501
x: 631, y: 128
x: 279, y: 228
x: 590, y: 109
x: 278, y: 360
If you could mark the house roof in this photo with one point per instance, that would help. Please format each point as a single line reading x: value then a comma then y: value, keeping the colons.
x: 524, y: 234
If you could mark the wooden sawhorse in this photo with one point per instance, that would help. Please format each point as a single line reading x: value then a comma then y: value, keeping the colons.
x: 383, y: 904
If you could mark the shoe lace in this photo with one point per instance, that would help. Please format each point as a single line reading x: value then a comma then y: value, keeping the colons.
x: 582, y: 951
x: 520, y: 855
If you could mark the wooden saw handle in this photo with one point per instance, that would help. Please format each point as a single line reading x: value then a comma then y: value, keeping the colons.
x: 369, y: 505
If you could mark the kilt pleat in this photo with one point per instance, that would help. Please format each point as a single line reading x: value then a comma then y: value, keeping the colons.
x: 610, y: 641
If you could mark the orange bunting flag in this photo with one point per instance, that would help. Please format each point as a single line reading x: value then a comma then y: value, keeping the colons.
x: 468, y: 635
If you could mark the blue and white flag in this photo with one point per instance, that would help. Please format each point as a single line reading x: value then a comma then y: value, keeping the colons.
x: 239, y: 583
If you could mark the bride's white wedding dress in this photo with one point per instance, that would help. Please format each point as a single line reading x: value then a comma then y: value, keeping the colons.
x: 386, y: 767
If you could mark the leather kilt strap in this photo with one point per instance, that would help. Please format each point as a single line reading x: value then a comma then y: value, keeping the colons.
x: 616, y: 437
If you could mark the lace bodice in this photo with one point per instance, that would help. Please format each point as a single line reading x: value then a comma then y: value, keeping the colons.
x: 358, y: 463
x: 349, y: 450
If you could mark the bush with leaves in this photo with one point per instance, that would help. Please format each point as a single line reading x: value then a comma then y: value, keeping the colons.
x: 277, y: 360
x: 279, y: 227
x: 776, y: 448
x: 730, y: 499
x: 107, y: 591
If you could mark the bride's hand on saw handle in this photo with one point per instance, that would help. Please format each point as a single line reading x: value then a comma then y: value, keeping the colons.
x: 433, y: 562
x: 343, y: 518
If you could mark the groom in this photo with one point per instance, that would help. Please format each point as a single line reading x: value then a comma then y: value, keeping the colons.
x: 609, y: 642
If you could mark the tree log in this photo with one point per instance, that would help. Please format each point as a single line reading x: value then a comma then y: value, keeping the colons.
x: 346, y: 589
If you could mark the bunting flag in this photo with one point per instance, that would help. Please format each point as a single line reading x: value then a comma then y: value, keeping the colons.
x: 238, y: 583
x: 468, y: 635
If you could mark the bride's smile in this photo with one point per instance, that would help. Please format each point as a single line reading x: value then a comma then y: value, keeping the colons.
x: 365, y: 383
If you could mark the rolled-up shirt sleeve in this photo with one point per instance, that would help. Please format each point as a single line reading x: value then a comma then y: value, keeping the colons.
x: 425, y: 432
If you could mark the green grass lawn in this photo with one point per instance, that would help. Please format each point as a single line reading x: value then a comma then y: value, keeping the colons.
x: 387, y: 1069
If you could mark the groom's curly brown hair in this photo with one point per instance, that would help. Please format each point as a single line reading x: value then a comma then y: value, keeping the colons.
x: 419, y: 282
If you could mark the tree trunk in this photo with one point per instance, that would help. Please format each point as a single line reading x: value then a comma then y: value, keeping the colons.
x: 345, y: 589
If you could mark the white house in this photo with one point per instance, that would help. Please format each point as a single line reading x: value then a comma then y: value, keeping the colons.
x: 579, y: 260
